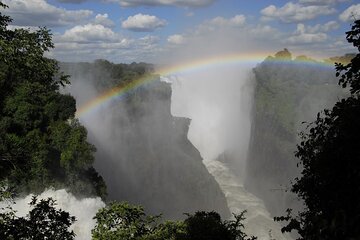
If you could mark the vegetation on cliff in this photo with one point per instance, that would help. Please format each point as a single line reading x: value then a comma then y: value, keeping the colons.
x: 329, y: 156
x: 41, y: 143
x: 152, y: 161
x: 288, y: 91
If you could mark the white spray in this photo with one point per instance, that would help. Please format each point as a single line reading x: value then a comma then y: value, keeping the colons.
x: 219, y: 99
x: 83, y: 209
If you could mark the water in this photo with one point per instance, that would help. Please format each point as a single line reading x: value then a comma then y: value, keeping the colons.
x: 83, y: 209
x: 219, y: 102
x: 258, y: 221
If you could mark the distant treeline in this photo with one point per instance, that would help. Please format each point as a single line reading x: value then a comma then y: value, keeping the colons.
x: 104, y: 74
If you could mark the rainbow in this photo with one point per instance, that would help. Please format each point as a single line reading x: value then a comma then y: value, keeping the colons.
x: 186, y: 67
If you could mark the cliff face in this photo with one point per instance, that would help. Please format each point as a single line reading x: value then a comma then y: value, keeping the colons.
x: 143, y: 151
x: 287, y: 93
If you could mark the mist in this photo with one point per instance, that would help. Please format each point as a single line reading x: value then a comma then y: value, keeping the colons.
x: 219, y: 101
x: 185, y: 142
x: 217, y: 98
x: 83, y: 209
x: 143, y: 152
x: 208, y: 120
x: 180, y: 143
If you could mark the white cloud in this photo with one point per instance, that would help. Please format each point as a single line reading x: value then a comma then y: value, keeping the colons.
x: 327, y: 27
x: 118, y: 50
x: 236, y: 21
x: 41, y: 13
x: 176, y: 39
x: 148, y: 42
x: 103, y: 19
x: 307, y: 38
x: 143, y: 23
x: 351, y: 13
x: 225, y: 26
x: 294, y: 12
x: 88, y: 49
x: 302, y: 35
x: 318, y: 28
x: 89, y: 42
x: 89, y: 33
x: 321, y: 2
x: 264, y: 32
x: 71, y: 1
x: 220, y: 21
x: 178, y: 3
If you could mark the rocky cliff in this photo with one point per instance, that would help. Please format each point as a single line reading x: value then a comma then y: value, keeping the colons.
x: 143, y: 151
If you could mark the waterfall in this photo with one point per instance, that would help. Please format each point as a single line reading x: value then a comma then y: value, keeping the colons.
x: 219, y: 103
x: 83, y: 209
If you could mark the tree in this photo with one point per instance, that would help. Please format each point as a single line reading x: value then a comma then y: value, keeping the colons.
x: 41, y: 143
x: 330, y: 156
x: 124, y: 221
x: 209, y: 226
x: 44, y: 221
x: 169, y: 230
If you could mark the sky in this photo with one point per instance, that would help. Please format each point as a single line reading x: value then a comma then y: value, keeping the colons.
x: 150, y: 30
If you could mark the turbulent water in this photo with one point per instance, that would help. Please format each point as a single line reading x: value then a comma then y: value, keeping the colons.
x: 146, y: 158
x: 258, y: 220
x: 219, y: 103
x: 83, y: 209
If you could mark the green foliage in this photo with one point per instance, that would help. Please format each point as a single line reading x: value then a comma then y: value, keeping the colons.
x: 124, y: 221
x: 329, y: 154
x: 287, y: 92
x: 44, y: 221
x: 283, y: 55
x: 41, y: 144
x: 105, y: 75
x: 346, y: 59
x: 5, y: 194
x: 349, y: 73
x: 209, y: 226
x: 169, y: 230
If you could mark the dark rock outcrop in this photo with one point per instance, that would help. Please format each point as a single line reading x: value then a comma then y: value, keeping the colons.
x: 143, y: 151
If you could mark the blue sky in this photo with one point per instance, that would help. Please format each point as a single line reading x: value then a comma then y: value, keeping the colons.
x: 144, y: 30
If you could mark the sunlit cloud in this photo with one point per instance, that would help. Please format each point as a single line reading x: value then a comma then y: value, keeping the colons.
x: 294, y: 12
x: 143, y: 23
x: 303, y: 35
x: 351, y: 13
x: 41, y: 13
x: 322, y: 2
x: 103, y: 19
x: 178, y: 3
x: 176, y: 39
